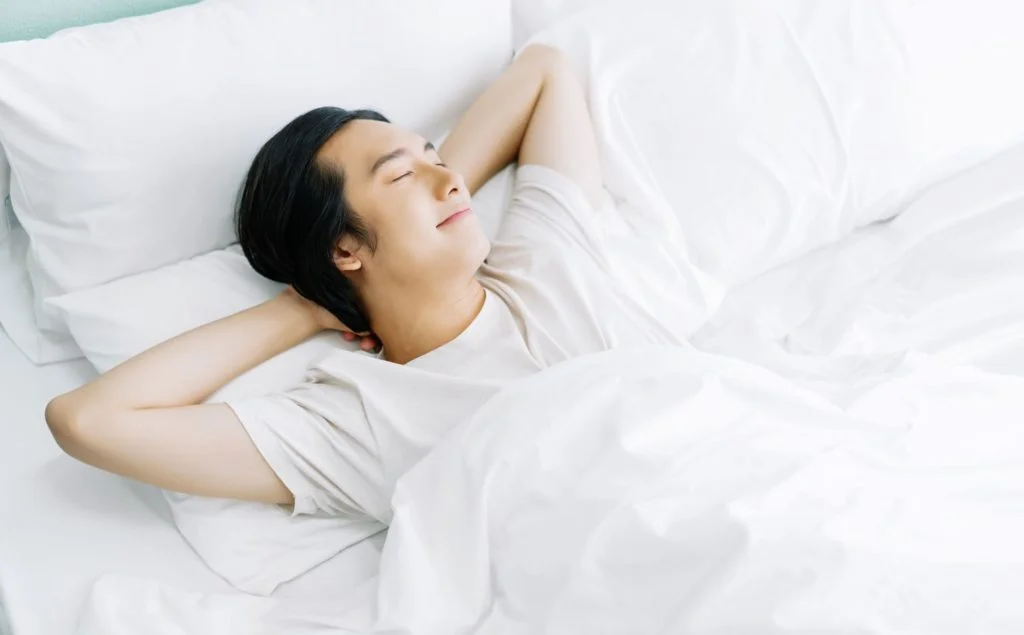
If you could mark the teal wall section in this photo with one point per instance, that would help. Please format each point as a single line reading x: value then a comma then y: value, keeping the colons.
x: 24, y: 19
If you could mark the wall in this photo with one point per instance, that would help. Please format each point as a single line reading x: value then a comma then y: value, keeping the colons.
x: 24, y: 19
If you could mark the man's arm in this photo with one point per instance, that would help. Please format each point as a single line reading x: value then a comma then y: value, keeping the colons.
x: 143, y: 420
x: 536, y: 111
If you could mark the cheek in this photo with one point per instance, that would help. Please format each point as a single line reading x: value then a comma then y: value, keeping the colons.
x: 408, y: 236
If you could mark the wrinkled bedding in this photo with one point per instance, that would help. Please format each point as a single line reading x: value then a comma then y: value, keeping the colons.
x: 840, y: 449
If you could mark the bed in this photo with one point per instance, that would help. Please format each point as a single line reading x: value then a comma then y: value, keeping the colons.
x: 925, y: 479
x: 65, y: 524
x: 836, y: 449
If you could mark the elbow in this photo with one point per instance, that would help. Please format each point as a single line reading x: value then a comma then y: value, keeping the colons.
x: 548, y: 60
x: 543, y: 53
x: 66, y: 422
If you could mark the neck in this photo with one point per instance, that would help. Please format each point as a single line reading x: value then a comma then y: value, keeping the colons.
x: 409, y: 325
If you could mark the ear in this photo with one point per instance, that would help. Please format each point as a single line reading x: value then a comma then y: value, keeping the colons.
x: 348, y: 254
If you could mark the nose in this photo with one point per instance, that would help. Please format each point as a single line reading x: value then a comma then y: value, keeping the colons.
x: 449, y: 183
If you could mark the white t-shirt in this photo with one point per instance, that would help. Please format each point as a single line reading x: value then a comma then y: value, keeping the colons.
x: 562, y: 280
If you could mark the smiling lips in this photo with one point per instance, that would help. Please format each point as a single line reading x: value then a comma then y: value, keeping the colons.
x: 455, y: 216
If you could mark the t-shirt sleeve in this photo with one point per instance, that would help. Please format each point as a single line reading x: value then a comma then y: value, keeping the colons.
x: 317, y: 440
x: 550, y: 207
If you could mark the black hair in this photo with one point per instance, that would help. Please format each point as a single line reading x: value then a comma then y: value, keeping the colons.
x: 292, y: 212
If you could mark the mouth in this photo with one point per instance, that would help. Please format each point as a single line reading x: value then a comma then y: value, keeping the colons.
x: 454, y: 216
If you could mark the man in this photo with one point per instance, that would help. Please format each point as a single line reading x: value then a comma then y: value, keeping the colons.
x: 372, y: 228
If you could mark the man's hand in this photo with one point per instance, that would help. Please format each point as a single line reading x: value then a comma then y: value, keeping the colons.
x: 326, y: 321
x: 367, y: 342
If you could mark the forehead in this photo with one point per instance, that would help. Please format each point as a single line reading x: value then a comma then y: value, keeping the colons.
x: 359, y: 143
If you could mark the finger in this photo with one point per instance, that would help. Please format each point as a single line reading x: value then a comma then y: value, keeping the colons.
x: 367, y: 344
x: 348, y: 336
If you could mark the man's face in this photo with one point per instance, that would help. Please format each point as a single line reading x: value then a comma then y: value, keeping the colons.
x: 417, y: 208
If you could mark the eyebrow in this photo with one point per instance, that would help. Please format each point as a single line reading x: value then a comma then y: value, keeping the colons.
x: 394, y: 154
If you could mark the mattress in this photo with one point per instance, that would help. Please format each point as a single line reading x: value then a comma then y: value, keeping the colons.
x: 64, y: 524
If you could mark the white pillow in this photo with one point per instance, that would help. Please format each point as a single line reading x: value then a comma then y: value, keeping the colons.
x: 768, y: 129
x: 16, y: 314
x: 5, y: 183
x: 128, y: 141
x: 16, y: 300
x: 530, y: 17
x: 252, y: 545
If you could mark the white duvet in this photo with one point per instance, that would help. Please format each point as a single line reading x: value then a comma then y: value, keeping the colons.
x: 841, y: 450
x: 676, y: 491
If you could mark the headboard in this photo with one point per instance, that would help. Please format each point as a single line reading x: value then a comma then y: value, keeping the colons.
x: 25, y: 19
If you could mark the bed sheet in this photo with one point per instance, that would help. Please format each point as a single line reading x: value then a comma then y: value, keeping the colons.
x: 61, y: 522
x: 64, y: 524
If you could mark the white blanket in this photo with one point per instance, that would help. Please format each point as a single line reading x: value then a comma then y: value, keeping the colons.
x: 692, y: 493
x: 842, y: 450
x: 669, y: 491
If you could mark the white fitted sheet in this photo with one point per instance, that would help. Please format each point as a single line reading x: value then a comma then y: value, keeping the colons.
x: 63, y: 523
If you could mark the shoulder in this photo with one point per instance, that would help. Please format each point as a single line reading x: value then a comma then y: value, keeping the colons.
x: 549, y: 219
x: 545, y: 204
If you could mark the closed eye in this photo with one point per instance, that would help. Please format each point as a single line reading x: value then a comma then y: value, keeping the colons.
x: 409, y: 173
